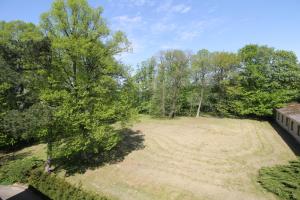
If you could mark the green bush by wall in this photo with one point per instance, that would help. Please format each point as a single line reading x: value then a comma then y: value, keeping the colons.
x: 284, y: 181
x: 58, y: 189
x: 18, y: 170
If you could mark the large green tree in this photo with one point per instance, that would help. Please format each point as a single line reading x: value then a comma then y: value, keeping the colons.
x: 87, y: 89
x: 177, y: 63
x: 202, y: 68
x: 226, y: 65
x: 268, y: 79
x: 145, y: 79
x: 161, y: 81
x: 171, y: 77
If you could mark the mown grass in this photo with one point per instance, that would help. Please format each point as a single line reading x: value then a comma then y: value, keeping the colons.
x: 283, y: 180
x: 156, y: 172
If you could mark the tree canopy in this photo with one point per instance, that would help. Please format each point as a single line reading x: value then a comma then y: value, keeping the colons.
x: 250, y: 83
x: 61, y: 84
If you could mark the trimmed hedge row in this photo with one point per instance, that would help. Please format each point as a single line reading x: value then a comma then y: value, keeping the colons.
x: 58, y: 189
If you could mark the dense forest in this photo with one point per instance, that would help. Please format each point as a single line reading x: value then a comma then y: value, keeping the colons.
x: 250, y: 83
x: 61, y: 84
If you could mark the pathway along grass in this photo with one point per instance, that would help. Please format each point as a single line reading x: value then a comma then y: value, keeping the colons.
x: 283, y: 180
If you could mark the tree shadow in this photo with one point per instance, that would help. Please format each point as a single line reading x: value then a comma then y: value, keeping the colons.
x: 19, y: 146
x: 287, y: 138
x: 12, y: 156
x: 130, y: 141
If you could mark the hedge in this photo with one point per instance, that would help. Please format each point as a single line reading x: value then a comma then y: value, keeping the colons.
x: 58, y: 189
x: 282, y: 180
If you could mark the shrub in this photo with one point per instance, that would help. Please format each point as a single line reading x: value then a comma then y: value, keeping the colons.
x: 18, y: 170
x: 58, y: 189
x: 284, y: 180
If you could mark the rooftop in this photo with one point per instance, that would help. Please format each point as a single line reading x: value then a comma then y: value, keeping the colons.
x: 292, y: 111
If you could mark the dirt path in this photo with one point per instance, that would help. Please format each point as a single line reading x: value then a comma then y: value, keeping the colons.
x: 187, y: 158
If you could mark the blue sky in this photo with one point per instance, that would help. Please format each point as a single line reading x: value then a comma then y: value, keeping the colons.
x: 217, y: 25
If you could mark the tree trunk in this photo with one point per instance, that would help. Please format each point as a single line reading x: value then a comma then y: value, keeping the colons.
x: 173, y: 107
x: 49, y: 150
x: 74, y: 66
x: 191, y: 108
x: 200, y: 102
x: 49, y: 157
x: 163, y: 99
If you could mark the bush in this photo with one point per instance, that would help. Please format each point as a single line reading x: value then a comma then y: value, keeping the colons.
x: 58, y: 189
x: 284, y: 181
x: 18, y: 170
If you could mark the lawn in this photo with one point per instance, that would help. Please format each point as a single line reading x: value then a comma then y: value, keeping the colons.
x: 189, y: 158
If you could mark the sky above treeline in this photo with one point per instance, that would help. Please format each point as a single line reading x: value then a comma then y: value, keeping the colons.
x: 216, y: 25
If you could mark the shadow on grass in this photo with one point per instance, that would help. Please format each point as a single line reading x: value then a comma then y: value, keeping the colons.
x: 287, y: 138
x: 19, y: 146
x: 130, y: 141
x: 12, y: 156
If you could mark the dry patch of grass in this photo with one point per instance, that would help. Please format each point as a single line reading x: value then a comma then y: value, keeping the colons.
x: 188, y: 158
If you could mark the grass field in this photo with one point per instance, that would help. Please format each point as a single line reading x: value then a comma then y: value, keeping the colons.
x: 188, y: 158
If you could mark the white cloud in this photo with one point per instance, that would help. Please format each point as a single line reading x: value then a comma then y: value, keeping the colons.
x: 180, y: 8
x: 169, y: 46
x: 142, y: 2
x: 194, y: 29
x: 170, y: 7
x: 186, y: 35
x: 164, y: 27
x: 136, y: 55
x: 212, y: 10
x: 136, y: 45
x: 160, y: 27
x: 125, y: 19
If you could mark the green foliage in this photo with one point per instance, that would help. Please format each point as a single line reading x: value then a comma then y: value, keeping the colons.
x: 145, y: 78
x: 61, y: 84
x: 58, y: 189
x: 87, y: 89
x: 201, y: 69
x: 18, y: 170
x: 23, y: 59
x: 269, y: 80
x: 284, y: 181
x: 250, y: 83
x: 24, y: 125
x: 160, y: 83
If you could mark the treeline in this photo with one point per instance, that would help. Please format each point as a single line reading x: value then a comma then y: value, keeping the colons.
x: 249, y: 83
x: 60, y: 83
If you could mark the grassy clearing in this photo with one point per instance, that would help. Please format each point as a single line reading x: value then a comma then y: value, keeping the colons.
x: 188, y: 158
